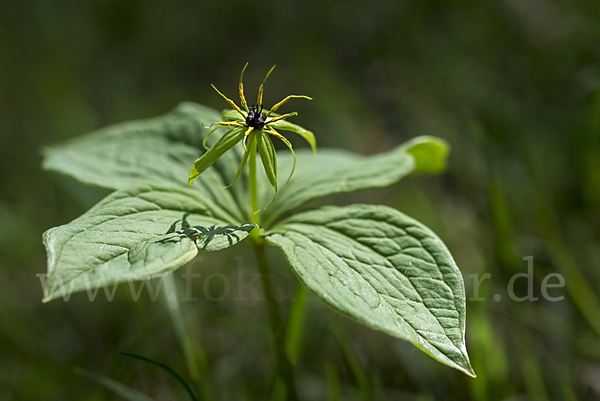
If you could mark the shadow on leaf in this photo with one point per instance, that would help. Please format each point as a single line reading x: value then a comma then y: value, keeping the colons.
x: 204, y: 235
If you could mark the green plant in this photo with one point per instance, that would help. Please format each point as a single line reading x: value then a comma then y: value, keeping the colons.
x: 371, y: 263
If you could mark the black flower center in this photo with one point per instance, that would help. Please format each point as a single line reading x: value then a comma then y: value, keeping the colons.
x: 256, y: 118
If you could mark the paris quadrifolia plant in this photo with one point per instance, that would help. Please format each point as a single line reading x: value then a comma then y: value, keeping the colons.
x: 254, y: 128
x: 371, y: 263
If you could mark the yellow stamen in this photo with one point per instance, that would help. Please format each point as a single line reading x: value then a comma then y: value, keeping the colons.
x: 220, y: 124
x: 283, y: 116
x: 284, y: 101
x: 260, y: 90
x: 246, y: 134
x: 224, y: 123
x: 242, y: 98
x: 235, y: 106
x: 260, y: 95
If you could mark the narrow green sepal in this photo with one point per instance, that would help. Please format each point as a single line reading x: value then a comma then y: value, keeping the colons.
x: 226, y: 142
x: 304, y: 133
x: 244, y: 159
x: 207, y: 135
x: 289, y: 145
x: 233, y: 115
x: 269, y: 161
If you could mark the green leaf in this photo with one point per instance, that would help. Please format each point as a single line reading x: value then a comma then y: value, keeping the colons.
x: 334, y: 172
x: 156, y: 150
x: 135, y: 234
x: 269, y: 159
x: 430, y: 153
x: 385, y: 270
x: 118, y: 388
x: 225, y: 143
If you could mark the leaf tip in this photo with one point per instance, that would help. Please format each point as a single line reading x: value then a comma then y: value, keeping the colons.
x: 464, y: 364
x: 468, y: 370
x: 430, y: 153
x: 45, y: 150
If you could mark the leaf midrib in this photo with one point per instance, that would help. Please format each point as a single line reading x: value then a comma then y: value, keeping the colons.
x: 290, y: 227
x: 114, y: 217
x: 412, y: 327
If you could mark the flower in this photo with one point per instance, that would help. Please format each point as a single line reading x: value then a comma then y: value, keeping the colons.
x: 254, y: 128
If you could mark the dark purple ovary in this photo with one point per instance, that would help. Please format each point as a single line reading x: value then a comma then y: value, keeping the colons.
x: 255, y: 118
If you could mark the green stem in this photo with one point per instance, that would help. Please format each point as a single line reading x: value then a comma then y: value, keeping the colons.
x: 253, y: 187
x: 185, y: 341
x: 277, y: 326
x: 284, y: 366
x: 295, y: 323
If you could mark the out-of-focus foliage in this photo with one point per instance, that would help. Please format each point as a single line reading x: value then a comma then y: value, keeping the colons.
x: 513, y: 86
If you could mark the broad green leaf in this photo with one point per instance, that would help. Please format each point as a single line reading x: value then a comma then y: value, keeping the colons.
x: 156, y: 150
x: 225, y: 143
x: 118, y: 388
x: 385, y: 270
x: 334, y: 172
x: 269, y: 159
x: 430, y: 153
x: 138, y: 233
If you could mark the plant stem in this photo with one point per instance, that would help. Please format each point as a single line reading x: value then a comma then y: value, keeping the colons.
x: 185, y: 341
x: 277, y: 326
x: 284, y: 366
x: 294, y: 323
x: 253, y: 187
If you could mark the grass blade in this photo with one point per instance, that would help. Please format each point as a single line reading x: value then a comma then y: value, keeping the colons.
x: 118, y: 388
x: 166, y: 369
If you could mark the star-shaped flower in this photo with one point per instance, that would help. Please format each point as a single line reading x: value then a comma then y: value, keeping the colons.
x: 254, y: 128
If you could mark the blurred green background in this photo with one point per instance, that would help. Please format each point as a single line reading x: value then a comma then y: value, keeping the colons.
x: 513, y: 85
